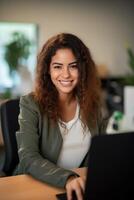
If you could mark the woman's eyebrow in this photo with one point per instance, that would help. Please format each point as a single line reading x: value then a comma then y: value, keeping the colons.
x: 74, y: 62
x: 56, y: 63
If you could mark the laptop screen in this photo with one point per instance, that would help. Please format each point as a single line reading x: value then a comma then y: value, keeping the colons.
x: 111, y: 167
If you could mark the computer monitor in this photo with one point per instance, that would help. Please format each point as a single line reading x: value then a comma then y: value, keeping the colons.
x: 129, y: 107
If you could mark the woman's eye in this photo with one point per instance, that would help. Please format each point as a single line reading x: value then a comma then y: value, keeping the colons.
x: 74, y: 66
x: 57, y: 67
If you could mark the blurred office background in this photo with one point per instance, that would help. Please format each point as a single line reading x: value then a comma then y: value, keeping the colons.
x: 107, y: 27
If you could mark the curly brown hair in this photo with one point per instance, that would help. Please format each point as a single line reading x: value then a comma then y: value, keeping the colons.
x: 87, y: 90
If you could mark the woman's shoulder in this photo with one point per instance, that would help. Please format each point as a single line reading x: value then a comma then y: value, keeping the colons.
x: 28, y: 97
x: 29, y: 100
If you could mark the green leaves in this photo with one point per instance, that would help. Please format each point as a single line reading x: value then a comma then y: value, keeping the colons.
x: 131, y: 58
x: 129, y: 78
x: 17, y: 50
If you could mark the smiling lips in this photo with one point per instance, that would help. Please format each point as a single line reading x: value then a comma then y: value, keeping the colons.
x: 66, y: 83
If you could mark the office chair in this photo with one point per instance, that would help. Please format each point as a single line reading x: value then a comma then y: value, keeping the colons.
x: 9, y: 111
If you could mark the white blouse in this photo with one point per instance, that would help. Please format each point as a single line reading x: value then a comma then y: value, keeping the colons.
x: 76, y: 143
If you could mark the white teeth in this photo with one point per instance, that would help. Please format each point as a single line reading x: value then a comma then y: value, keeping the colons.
x: 65, y: 82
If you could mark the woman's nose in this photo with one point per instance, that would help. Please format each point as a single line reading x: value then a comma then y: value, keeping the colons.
x: 65, y: 72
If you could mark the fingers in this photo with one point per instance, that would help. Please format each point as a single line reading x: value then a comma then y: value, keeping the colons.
x: 69, y: 193
x: 76, y: 185
x: 82, y: 181
x: 79, y: 193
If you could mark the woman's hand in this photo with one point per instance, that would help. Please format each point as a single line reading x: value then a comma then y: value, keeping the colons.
x: 77, y: 185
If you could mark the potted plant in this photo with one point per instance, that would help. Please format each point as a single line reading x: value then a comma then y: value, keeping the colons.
x: 17, y: 51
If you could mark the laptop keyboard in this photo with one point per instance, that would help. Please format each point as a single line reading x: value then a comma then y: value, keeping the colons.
x: 63, y: 196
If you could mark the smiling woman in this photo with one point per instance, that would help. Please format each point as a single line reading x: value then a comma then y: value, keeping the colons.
x: 58, y: 119
x: 64, y: 71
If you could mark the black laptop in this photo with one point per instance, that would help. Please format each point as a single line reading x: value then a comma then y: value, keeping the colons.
x: 110, y: 168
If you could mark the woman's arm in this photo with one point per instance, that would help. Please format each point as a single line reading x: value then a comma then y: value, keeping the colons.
x: 31, y: 161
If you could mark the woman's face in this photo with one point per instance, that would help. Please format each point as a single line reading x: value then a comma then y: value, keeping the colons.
x: 63, y: 71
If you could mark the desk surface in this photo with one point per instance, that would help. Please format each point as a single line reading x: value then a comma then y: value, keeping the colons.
x: 24, y: 187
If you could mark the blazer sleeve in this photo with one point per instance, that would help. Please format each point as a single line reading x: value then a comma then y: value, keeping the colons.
x: 30, y: 160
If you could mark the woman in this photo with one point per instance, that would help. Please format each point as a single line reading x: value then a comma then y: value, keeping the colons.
x: 59, y: 117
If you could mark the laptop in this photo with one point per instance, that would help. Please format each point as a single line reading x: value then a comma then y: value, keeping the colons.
x: 110, y: 168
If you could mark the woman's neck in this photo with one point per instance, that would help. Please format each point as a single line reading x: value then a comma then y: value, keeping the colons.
x: 67, y: 107
x: 66, y: 99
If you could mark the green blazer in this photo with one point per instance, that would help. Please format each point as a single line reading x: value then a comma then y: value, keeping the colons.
x: 39, y: 144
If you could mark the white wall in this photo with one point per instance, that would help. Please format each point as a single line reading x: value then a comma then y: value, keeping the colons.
x: 105, y: 27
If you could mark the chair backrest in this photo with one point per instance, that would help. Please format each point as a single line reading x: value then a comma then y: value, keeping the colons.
x: 9, y: 111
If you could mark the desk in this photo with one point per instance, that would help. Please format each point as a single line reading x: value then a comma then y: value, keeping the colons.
x: 24, y: 187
